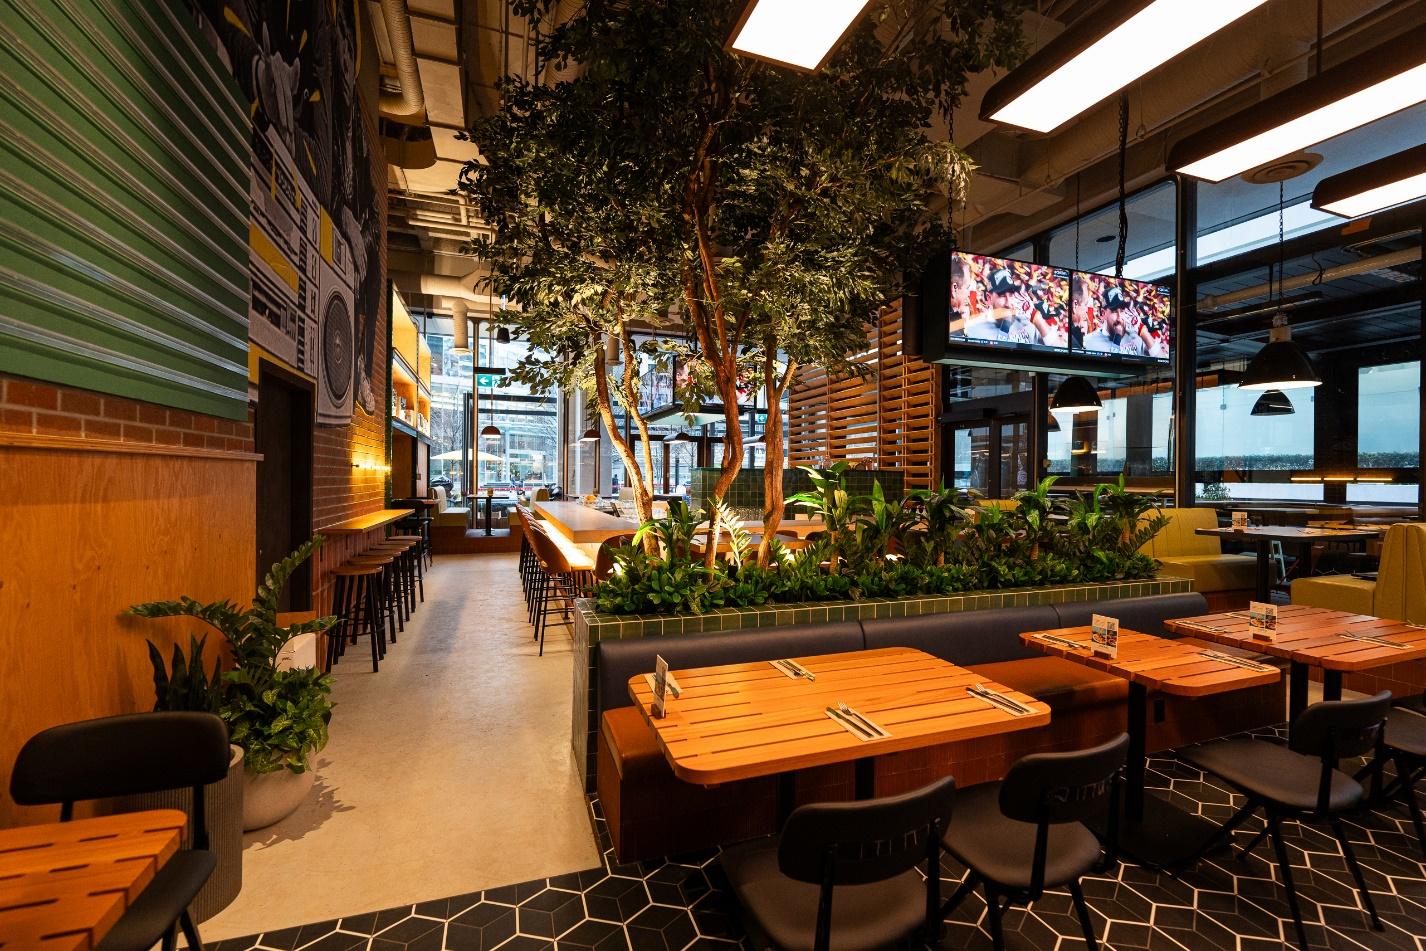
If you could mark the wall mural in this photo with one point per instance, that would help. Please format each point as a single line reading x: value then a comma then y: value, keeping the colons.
x: 314, y: 235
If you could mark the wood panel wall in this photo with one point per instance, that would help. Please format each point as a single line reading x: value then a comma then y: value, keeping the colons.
x: 885, y: 415
x: 84, y: 535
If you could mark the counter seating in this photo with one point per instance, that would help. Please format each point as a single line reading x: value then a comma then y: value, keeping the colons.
x: 1226, y: 581
x: 651, y: 812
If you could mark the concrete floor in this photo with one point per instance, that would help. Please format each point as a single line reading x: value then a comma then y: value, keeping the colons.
x: 447, y: 772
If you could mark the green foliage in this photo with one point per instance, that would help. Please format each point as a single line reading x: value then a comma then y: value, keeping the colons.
x: 184, y: 684
x: 278, y: 717
x: 934, y: 544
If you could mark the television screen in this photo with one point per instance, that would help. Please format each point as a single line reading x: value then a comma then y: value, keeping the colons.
x: 1004, y: 303
x: 1120, y: 318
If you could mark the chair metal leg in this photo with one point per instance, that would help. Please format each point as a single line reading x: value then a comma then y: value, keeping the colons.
x: 1247, y: 850
x: 375, y: 625
x: 992, y: 911
x: 1082, y: 910
x: 1224, y: 831
x: 1409, y: 793
x: 1280, y: 847
x: 966, y: 887
x: 1356, y: 871
x: 190, y: 932
x: 170, y: 938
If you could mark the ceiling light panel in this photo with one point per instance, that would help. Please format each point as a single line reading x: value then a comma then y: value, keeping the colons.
x: 1369, y: 87
x: 1385, y: 183
x: 1090, y: 70
x: 797, y: 33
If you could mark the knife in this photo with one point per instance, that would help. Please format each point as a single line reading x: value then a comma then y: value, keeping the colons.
x: 1368, y: 638
x: 800, y: 670
x: 1236, y: 661
x: 847, y: 711
x: 1061, y: 641
x: 999, y: 699
x: 856, y: 728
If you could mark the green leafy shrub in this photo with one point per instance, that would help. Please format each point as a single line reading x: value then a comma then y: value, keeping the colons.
x: 278, y: 717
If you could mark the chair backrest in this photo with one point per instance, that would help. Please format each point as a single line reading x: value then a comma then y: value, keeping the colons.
x: 853, y: 843
x: 552, y: 559
x: 1047, y: 789
x: 123, y: 756
x: 1337, y: 729
x: 542, y: 495
x: 604, y: 558
x: 1400, y: 592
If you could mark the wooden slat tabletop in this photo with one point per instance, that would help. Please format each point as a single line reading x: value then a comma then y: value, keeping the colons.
x: 1313, y: 636
x: 1169, y: 666
x: 63, y: 885
x: 744, y: 720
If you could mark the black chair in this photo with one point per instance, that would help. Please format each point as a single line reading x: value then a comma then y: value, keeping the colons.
x: 1025, y: 834
x: 843, y: 876
x: 1405, y: 747
x: 1300, y: 781
x: 125, y: 756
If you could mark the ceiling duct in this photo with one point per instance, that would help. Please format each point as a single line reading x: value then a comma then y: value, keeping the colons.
x: 409, y: 106
x: 460, y: 326
x: 1381, y: 262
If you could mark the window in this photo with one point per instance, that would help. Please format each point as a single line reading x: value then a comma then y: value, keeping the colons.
x: 1389, y: 431
x: 450, y: 386
x: 1129, y: 433
x: 1242, y: 456
x: 1149, y: 250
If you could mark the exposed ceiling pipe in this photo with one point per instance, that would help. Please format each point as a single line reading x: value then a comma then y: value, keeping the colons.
x: 410, y: 106
x: 1352, y: 269
x: 1271, y: 42
x: 461, y: 343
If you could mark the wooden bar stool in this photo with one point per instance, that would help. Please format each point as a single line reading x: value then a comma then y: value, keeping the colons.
x: 559, y: 584
x: 354, y: 600
x: 404, y: 554
x: 417, y: 566
x: 388, y: 599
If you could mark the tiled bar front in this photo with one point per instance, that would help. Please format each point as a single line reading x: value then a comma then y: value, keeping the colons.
x: 591, y: 627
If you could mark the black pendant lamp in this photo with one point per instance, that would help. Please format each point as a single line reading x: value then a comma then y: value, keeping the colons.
x: 590, y: 435
x: 679, y: 437
x: 490, y: 432
x: 1075, y: 395
x: 1053, y: 426
x: 1281, y: 364
x: 502, y: 335
x: 1273, y: 403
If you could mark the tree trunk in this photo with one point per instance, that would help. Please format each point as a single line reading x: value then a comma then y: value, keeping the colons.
x: 773, y: 500
x: 643, y: 503
x: 727, y: 377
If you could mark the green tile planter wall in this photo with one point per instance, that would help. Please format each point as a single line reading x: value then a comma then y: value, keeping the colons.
x: 591, y: 627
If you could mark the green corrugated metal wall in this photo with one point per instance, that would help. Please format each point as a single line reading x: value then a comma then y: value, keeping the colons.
x: 124, y: 171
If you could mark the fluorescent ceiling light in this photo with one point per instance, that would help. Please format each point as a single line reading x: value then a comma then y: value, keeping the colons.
x: 1389, y: 181
x: 1085, y: 64
x: 1368, y: 87
x: 796, y: 33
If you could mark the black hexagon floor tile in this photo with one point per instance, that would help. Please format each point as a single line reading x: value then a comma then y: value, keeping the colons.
x: 683, y: 903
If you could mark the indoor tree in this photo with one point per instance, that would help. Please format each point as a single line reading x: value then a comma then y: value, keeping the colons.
x: 778, y: 209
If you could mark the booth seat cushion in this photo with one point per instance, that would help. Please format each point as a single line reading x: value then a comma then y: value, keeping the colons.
x: 1335, y: 592
x: 968, y: 637
x: 635, y: 750
x: 1145, y: 615
x: 1213, y: 572
x: 620, y: 660
x: 1180, y: 536
x: 1063, y: 684
x: 452, y: 516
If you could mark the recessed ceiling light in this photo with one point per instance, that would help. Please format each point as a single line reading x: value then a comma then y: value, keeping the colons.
x: 1101, y: 54
x: 794, y: 32
x: 1368, y: 87
x: 1389, y: 181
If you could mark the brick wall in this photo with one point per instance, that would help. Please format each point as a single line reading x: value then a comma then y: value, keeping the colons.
x: 28, y: 407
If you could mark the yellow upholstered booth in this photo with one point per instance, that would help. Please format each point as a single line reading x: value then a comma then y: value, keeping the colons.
x: 1200, y: 557
x: 1398, y: 593
x: 1008, y: 505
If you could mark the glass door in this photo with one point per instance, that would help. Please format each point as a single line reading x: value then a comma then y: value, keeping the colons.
x: 1014, y: 452
x: 991, y: 457
x: 970, y: 452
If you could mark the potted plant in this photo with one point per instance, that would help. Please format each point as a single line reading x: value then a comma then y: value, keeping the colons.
x: 278, y: 717
x: 183, y: 683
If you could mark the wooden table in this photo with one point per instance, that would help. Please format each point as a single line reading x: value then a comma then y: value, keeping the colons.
x: 365, y: 523
x: 1312, y: 637
x: 744, y: 720
x: 63, y: 885
x: 1152, y: 830
x: 584, y: 525
x: 1262, y: 537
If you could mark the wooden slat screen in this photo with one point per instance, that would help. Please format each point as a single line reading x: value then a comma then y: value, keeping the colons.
x: 886, y: 416
x: 124, y: 207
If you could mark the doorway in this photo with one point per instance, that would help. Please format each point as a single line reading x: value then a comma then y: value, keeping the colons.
x: 991, y: 457
x: 282, y: 433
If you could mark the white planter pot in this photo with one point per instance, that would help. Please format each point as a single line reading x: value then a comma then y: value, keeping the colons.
x: 271, y: 797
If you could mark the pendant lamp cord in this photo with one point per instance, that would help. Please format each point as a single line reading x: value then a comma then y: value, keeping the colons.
x: 1078, y: 176
x: 1123, y: 207
x: 1281, y: 241
x: 1317, y: 56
